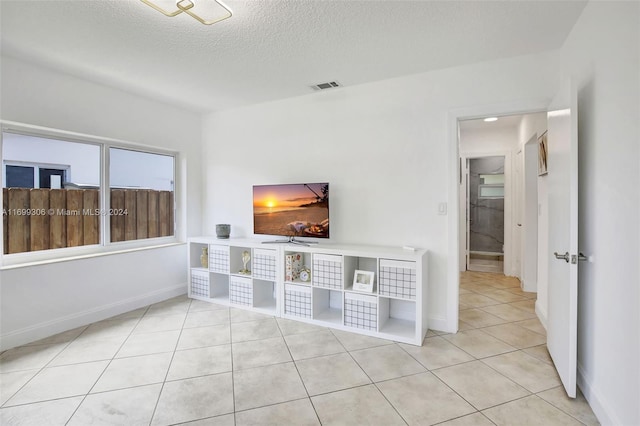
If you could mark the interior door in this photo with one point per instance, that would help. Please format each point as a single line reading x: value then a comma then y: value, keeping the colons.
x: 468, y: 214
x: 518, y: 240
x: 562, y: 166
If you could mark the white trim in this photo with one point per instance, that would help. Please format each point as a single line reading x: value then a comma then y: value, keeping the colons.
x: 603, y: 411
x: 508, y: 202
x: 439, y: 324
x: 69, y: 322
x: 89, y: 256
x: 542, y: 315
x: 51, y: 133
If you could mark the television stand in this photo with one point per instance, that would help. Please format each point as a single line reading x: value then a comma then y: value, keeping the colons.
x: 291, y: 240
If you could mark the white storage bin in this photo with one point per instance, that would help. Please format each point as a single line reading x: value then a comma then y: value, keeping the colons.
x: 264, y: 264
x: 361, y: 311
x: 397, y: 279
x: 240, y: 291
x: 199, y: 283
x: 327, y: 271
x: 297, y: 300
x: 219, y: 259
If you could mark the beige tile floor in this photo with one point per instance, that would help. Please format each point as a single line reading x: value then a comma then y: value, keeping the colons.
x: 188, y: 362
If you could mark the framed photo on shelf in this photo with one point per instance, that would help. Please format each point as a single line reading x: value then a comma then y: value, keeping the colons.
x: 542, y: 154
x: 363, y: 281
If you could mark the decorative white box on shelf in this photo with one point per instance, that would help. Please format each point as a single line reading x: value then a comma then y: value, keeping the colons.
x: 395, y: 308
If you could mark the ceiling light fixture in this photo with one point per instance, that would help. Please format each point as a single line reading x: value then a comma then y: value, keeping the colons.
x: 491, y: 119
x: 206, y: 12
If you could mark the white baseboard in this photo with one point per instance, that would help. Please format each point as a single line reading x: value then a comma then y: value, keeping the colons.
x: 542, y: 315
x: 69, y: 322
x: 602, y: 410
x: 440, y: 324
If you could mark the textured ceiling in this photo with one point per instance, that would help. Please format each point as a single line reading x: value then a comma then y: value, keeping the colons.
x: 273, y: 49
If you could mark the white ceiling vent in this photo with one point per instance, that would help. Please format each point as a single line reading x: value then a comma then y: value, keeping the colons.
x: 328, y: 85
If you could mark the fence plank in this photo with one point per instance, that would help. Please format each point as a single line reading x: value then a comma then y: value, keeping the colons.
x: 5, y: 220
x: 154, y: 228
x: 18, y: 225
x: 39, y: 219
x: 172, y: 219
x: 117, y: 221
x: 150, y: 214
x: 130, y: 216
x: 75, y: 229
x: 164, y: 213
x: 57, y: 220
x: 142, y: 214
x: 90, y: 220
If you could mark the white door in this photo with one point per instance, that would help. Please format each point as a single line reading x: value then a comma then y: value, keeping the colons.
x: 468, y: 215
x: 562, y: 144
x: 518, y: 259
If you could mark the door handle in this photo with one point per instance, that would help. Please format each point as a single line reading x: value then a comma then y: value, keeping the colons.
x: 564, y: 257
x: 580, y: 257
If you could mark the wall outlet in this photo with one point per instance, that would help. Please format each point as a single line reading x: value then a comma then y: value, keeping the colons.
x: 442, y: 209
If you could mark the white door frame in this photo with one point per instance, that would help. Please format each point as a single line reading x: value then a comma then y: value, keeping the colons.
x: 506, y: 155
x: 453, y: 267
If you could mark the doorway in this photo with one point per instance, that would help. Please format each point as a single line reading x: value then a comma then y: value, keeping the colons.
x: 485, y: 214
x: 510, y: 191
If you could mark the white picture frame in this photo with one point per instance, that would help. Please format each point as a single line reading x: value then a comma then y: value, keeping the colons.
x: 363, y: 281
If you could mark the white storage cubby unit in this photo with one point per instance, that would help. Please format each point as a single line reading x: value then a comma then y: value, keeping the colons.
x: 224, y: 280
x: 395, y: 309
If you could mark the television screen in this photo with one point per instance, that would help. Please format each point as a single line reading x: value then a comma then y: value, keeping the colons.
x: 293, y: 210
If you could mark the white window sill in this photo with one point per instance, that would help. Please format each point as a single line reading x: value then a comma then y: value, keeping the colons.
x: 22, y: 261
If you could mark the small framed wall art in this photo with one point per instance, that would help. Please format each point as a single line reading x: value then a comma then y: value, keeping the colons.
x: 542, y: 154
x: 363, y: 281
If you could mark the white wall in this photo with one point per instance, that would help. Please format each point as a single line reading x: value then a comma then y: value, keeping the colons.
x: 603, y: 53
x: 489, y: 140
x: 41, y: 300
x: 382, y: 146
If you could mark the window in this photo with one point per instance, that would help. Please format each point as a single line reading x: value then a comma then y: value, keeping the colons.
x: 491, y: 186
x: 26, y: 175
x: 141, y: 194
x: 54, y: 196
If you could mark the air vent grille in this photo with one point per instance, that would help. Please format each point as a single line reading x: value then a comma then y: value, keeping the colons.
x: 324, y: 86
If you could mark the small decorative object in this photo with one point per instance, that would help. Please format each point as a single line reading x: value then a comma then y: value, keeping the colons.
x: 363, y: 281
x: 246, y: 257
x: 542, y: 154
x: 292, y: 266
x: 305, y: 274
x: 223, y: 231
x: 204, y: 258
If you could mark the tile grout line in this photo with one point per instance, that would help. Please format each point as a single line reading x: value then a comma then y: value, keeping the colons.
x: 107, y: 366
x: 39, y: 369
x: 369, y: 377
x: 173, y: 354
x: 298, y: 371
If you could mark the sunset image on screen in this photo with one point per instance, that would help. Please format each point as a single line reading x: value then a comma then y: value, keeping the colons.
x: 292, y: 210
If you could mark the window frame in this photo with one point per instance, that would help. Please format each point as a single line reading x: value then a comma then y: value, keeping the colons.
x: 105, y: 246
x: 36, y: 169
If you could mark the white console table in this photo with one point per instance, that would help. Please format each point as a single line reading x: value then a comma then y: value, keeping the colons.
x: 396, y: 309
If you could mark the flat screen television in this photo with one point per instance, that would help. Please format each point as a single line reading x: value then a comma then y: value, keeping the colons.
x: 291, y: 210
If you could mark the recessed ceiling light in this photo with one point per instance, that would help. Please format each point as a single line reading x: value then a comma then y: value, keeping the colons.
x: 490, y: 119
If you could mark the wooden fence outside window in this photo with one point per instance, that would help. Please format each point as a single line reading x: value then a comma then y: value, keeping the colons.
x: 41, y: 219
